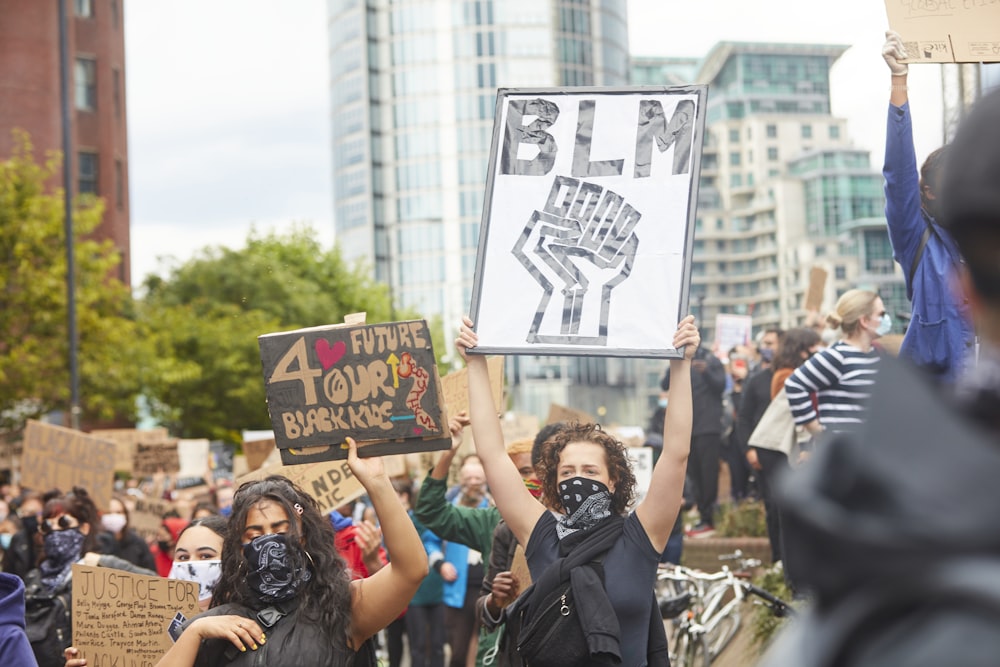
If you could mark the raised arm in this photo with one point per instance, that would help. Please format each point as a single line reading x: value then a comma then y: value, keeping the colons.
x: 658, y: 510
x: 518, y: 508
x: 379, y: 599
x: 820, y: 371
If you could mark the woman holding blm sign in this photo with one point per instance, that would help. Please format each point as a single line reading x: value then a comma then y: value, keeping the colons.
x: 586, y: 475
x: 285, y: 596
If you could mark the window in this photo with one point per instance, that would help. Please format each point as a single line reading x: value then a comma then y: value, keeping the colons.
x: 772, y: 131
x: 772, y: 153
x: 807, y: 131
x: 735, y: 180
x: 119, y: 185
x: 834, y: 132
x: 85, y: 82
x: 83, y: 8
x: 840, y: 272
x: 734, y: 136
x: 116, y: 92
x: 86, y: 173
x: 734, y: 159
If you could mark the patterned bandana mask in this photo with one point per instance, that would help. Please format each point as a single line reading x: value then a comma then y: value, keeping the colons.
x: 587, y: 502
x: 205, y: 573
x: 271, y: 577
x: 534, y: 487
x: 62, y: 548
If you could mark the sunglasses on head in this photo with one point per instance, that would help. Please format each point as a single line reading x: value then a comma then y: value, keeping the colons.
x: 65, y: 522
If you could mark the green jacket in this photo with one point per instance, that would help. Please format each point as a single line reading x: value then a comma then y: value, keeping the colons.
x: 472, y: 527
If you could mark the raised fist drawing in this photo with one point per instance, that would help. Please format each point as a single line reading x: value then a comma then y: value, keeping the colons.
x: 583, y: 242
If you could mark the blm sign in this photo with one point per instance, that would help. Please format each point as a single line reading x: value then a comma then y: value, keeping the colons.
x: 376, y: 383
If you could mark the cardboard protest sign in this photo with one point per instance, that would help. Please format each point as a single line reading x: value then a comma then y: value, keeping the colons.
x: 147, y: 516
x: 121, y: 618
x: 126, y: 440
x: 195, y: 457
x: 257, y: 452
x: 153, y: 457
x: 331, y: 483
x: 61, y: 458
x: 730, y: 331
x: 518, y: 427
x: 817, y: 288
x: 375, y: 383
x: 947, y: 31
x: 588, y: 223
x: 455, y: 387
x: 560, y: 413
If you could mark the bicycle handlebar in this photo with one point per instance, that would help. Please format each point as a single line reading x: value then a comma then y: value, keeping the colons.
x: 777, y: 605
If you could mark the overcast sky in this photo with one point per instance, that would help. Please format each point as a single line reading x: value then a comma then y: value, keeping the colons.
x: 228, y: 104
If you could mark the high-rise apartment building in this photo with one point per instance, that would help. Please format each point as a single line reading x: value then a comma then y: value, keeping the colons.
x: 30, y: 98
x: 782, y: 190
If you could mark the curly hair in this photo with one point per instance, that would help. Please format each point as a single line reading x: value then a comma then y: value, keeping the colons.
x: 619, y: 468
x: 79, y: 505
x: 326, y: 599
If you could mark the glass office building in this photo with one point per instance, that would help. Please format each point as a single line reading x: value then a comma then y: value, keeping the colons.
x: 413, y: 88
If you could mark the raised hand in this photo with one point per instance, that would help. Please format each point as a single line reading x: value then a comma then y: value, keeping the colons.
x: 467, y: 338
x: 366, y: 469
x: 688, y: 337
x: 893, y: 52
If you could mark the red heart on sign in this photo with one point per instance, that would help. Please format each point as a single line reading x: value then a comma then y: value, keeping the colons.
x: 328, y: 355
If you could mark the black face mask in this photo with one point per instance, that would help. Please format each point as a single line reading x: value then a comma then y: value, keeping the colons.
x: 272, y: 576
x: 30, y: 524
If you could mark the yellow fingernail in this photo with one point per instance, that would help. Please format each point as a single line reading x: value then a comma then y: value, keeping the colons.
x: 262, y: 640
x: 253, y: 646
x: 243, y: 648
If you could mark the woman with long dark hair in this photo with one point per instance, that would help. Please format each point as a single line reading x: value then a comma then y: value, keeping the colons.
x: 285, y: 596
x: 586, y: 476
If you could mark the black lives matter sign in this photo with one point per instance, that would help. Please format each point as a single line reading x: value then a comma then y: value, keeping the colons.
x: 376, y: 383
x: 589, y: 218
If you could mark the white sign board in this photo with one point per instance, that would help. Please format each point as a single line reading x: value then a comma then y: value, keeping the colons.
x: 589, y: 219
x: 730, y: 331
x: 641, y: 459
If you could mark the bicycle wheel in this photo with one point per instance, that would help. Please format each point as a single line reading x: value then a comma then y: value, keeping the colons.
x: 719, y: 636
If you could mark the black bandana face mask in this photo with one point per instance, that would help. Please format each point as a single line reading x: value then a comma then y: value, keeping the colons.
x: 587, y: 502
x: 271, y: 575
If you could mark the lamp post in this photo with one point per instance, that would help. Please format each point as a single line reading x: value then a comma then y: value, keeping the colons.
x: 74, y: 374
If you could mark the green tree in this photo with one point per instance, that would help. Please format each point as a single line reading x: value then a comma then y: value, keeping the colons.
x: 34, y: 347
x: 206, y: 379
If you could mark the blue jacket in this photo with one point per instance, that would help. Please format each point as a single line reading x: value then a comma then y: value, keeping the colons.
x: 14, y: 646
x: 940, y: 336
x: 431, y: 588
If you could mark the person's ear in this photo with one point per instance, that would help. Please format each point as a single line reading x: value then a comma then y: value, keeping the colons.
x: 927, y: 192
x: 85, y: 528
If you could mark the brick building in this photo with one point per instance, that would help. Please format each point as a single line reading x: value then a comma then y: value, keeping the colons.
x: 30, y: 97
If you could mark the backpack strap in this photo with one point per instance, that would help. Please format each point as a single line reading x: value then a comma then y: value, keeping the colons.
x: 928, y: 230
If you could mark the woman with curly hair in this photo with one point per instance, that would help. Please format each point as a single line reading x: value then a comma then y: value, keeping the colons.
x: 285, y: 596
x: 585, y: 474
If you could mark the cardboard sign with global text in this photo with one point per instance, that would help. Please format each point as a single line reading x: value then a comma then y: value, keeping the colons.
x: 153, y: 457
x: 455, y: 387
x: 331, y: 483
x: 121, y: 618
x: 947, y: 31
x: 376, y: 383
x: 61, y: 458
x: 126, y: 440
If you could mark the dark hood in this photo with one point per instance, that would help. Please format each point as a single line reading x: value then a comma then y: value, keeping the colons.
x: 11, y: 600
x: 908, y: 491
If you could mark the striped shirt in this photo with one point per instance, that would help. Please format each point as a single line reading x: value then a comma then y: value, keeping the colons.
x: 841, y: 376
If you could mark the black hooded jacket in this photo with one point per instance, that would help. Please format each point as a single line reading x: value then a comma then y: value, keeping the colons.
x: 893, y: 531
